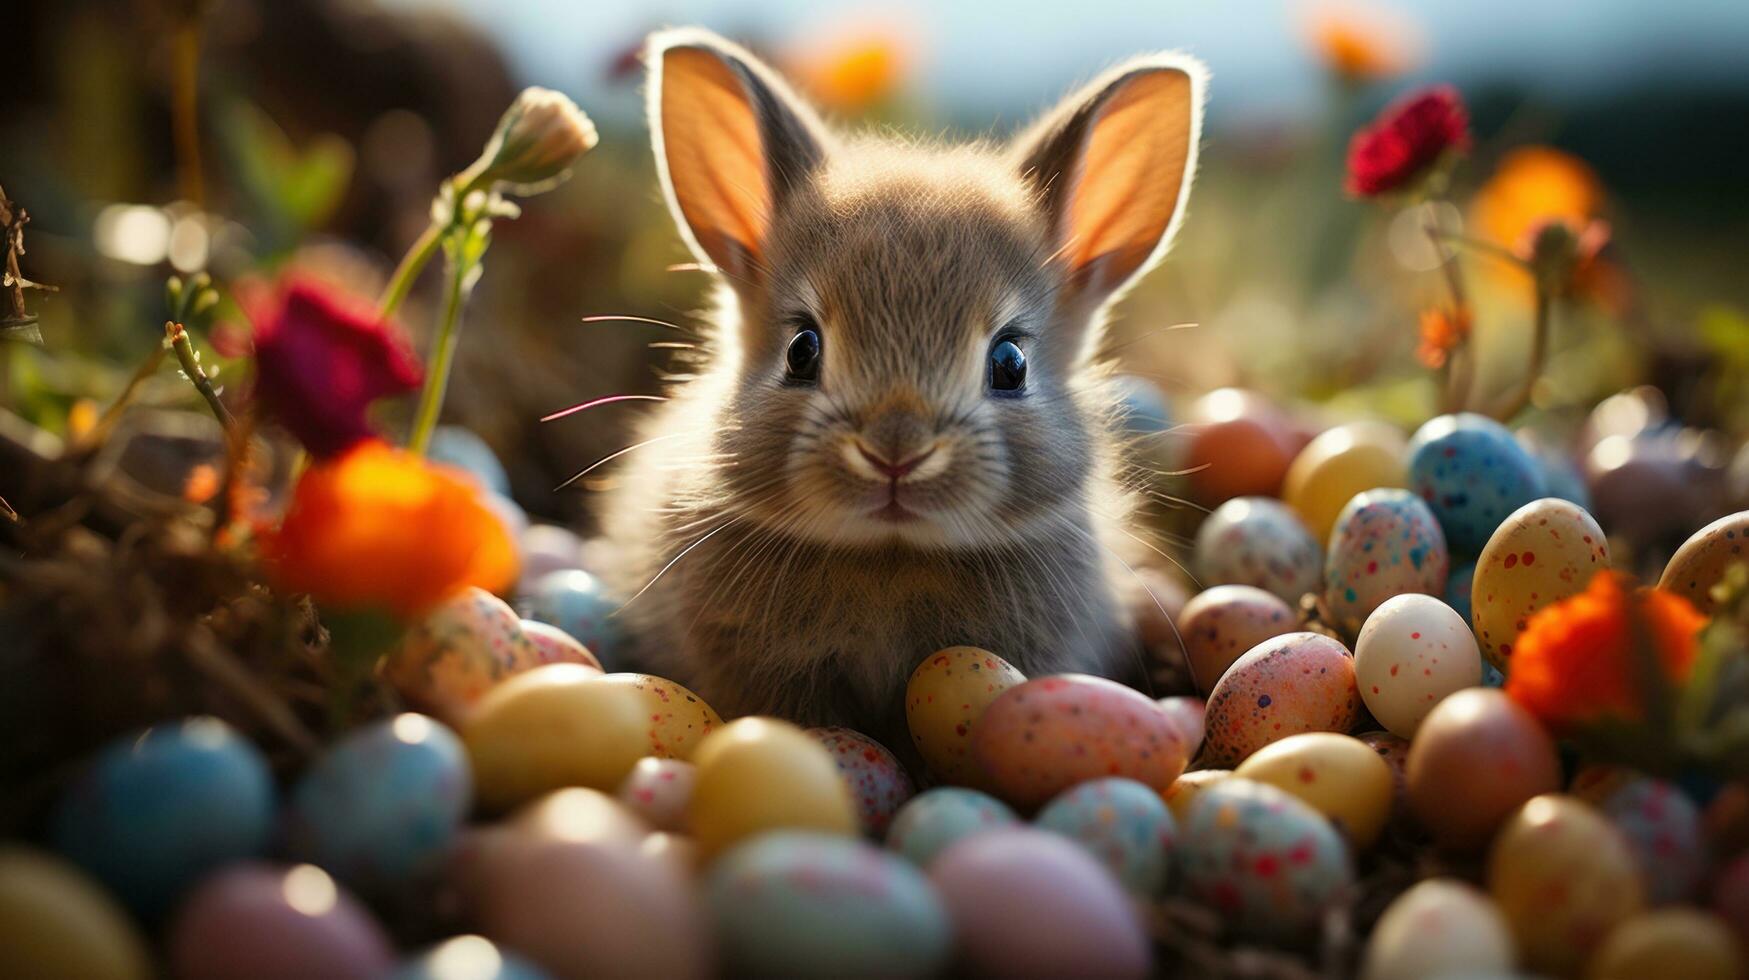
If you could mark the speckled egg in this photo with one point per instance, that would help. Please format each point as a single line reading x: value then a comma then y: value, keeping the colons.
x: 676, y: 719
x: 1386, y: 543
x: 1563, y: 878
x: 126, y: 820
x: 1338, y: 776
x: 1258, y: 541
x: 1475, y: 759
x: 1439, y: 927
x: 1027, y: 903
x: 1686, y: 943
x: 1662, y: 828
x: 1413, y: 651
x: 58, y: 924
x: 1702, y: 560
x: 1189, y: 713
x: 762, y: 774
x: 1048, y: 734
x: 576, y: 602
x: 1458, y: 583
x: 1122, y: 823
x: 1237, y: 444
x: 944, y: 699
x: 659, y: 790
x: 878, y: 783
x: 797, y: 904
x: 467, y: 958
x: 935, y: 818
x: 457, y: 652
x: 383, y: 805
x: 1301, y: 682
x: 1220, y: 624
x: 1338, y: 464
x: 276, y: 923
x: 1186, y: 788
x: 1267, y: 862
x: 555, y: 646
x: 1473, y: 473
x: 1542, y: 553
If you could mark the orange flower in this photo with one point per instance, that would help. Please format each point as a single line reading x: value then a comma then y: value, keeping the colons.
x: 855, y: 71
x: 1574, y: 662
x: 381, y: 528
x: 1362, y: 44
x: 1441, y: 333
x: 1535, y: 184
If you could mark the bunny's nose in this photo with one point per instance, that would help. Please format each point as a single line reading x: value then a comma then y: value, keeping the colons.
x: 894, y: 471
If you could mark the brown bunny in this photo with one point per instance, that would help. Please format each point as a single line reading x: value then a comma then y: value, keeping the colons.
x: 898, y: 440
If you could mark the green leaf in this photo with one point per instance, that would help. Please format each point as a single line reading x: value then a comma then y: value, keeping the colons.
x: 294, y: 190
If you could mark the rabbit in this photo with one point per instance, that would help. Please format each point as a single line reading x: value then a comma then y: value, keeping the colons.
x: 898, y: 438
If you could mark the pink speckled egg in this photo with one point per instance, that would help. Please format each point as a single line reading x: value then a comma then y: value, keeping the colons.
x: 1258, y: 541
x: 276, y: 923
x: 1663, y: 830
x: 457, y: 652
x: 659, y: 790
x: 1386, y: 543
x: 1301, y: 682
x: 1221, y: 623
x: 1698, y: 565
x: 1046, y: 735
x: 878, y: 783
x: 1189, y: 713
x: 1542, y: 553
x: 555, y: 646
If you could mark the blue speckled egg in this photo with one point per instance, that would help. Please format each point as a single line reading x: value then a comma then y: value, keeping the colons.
x: 1458, y: 583
x: 802, y: 904
x: 1258, y: 541
x: 461, y: 448
x: 467, y: 958
x: 1270, y: 864
x: 577, y: 602
x: 384, y: 804
x: 1386, y: 543
x: 934, y: 819
x: 1144, y: 406
x: 1473, y: 474
x: 1124, y: 824
x: 1662, y: 827
x: 158, y: 810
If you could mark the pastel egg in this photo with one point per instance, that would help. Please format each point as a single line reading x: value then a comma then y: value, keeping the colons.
x: 1338, y: 464
x: 1473, y: 473
x: 1662, y: 828
x: 546, y: 548
x: 676, y: 719
x: 555, y: 646
x: 1561, y: 475
x: 1475, y: 759
x: 1685, y: 943
x: 934, y: 819
x: 1439, y: 927
x: 1458, y: 583
x: 578, y: 603
x: 1221, y: 624
x: 1188, y: 713
x: 58, y: 924
x: 127, y: 819
x: 798, y: 904
x: 944, y: 699
x: 458, y: 651
x: 1386, y: 543
x: 1027, y: 903
x: 878, y: 783
x: 760, y: 774
x: 276, y: 923
x: 1338, y: 776
x: 1186, y: 788
x: 383, y: 805
x: 1413, y: 651
x: 1300, y: 682
x: 1394, y: 751
x: 576, y: 813
x: 1045, y: 735
x: 467, y: 958
x: 1267, y: 862
x: 1145, y: 411
x: 1563, y: 878
x: 462, y: 448
x: 1258, y: 541
x: 1702, y: 560
x: 1542, y: 553
x: 659, y: 790
x: 1237, y: 444
x: 1641, y: 487
x: 1156, y: 603
x: 1122, y: 823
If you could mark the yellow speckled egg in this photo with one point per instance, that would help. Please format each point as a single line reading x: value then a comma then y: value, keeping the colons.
x: 1698, y: 565
x: 1563, y: 878
x: 457, y: 652
x: 759, y: 774
x: 1439, y: 927
x: 1338, y: 776
x: 551, y: 727
x: 1413, y: 651
x: 1338, y: 464
x: 57, y: 924
x: 1678, y: 942
x: 1185, y: 789
x: 946, y: 696
x: 675, y: 719
x: 1542, y: 553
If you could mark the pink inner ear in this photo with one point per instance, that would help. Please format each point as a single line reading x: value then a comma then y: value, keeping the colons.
x: 1128, y: 179
x: 714, y: 154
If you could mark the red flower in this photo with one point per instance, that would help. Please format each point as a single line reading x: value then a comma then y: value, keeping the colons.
x: 320, y: 360
x: 1406, y: 141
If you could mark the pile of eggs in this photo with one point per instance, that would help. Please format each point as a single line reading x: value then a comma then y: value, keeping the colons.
x: 543, y: 813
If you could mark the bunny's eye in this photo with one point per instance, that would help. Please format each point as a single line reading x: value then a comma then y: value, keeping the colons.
x: 1007, y: 368
x: 802, y: 359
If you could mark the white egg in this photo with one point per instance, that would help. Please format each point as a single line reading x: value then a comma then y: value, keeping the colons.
x: 1413, y: 651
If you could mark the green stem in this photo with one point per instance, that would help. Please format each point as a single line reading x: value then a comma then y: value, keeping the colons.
x: 1539, y: 349
x: 442, y: 358
x: 423, y: 248
x: 184, y: 349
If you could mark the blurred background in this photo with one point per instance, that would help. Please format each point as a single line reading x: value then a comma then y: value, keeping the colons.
x: 319, y: 130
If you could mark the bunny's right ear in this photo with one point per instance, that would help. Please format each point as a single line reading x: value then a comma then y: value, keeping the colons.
x: 731, y: 141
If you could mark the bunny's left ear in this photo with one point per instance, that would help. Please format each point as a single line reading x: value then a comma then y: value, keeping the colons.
x: 1112, y: 165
